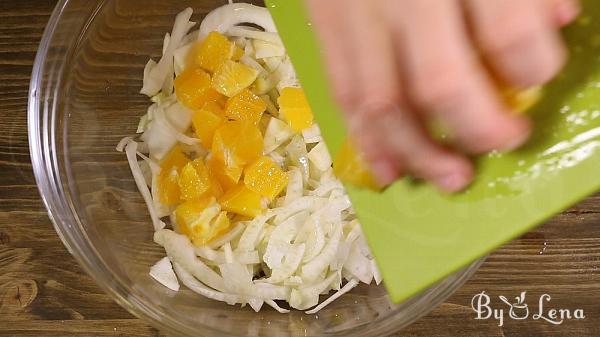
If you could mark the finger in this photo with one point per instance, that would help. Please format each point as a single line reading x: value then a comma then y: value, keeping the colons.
x: 565, y: 12
x: 393, y: 139
x: 522, y: 46
x: 347, y: 47
x: 377, y: 85
x: 405, y: 137
x: 336, y: 45
x: 386, y: 167
x: 447, y: 81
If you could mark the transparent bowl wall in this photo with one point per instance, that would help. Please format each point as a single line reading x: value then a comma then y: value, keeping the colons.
x: 84, y: 98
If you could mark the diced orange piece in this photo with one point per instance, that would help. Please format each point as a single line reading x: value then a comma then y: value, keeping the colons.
x: 240, y: 200
x: 245, y: 106
x: 237, y: 144
x: 237, y: 53
x: 295, y: 108
x: 218, y: 228
x: 214, y: 51
x: 227, y: 177
x: 522, y: 100
x: 193, y: 88
x: 206, y: 121
x: 188, y: 214
x: 195, y: 219
x: 215, y: 187
x: 265, y: 178
x: 350, y: 167
x: 194, y: 180
x: 168, y: 188
x: 233, y: 77
x: 222, y: 101
x: 175, y: 158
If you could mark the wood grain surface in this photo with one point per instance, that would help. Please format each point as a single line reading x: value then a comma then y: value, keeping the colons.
x: 43, y: 292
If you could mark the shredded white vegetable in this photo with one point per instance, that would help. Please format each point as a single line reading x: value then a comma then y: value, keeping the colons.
x: 138, y: 176
x: 279, y: 309
x: 224, y: 18
x: 312, y: 135
x: 217, y: 257
x: 315, y: 241
x: 180, y: 250
x: 196, y: 286
x: 306, y: 244
x: 264, y: 49
x: 319, y: 156
x: 280, y: 239
x: 157, y: 75
x: 278, y: 132
x: 180, y: 58
x: 163, y: 273
x: 121, y: 146
x: 376, y: 274
x: 257, y: 35
x: 231, y: 235
x: 359, y: 265
x: 346, y: 288
x: 295, y: 187
x: 178, y: 136
x: 314, y: 268
x: 249, y: 61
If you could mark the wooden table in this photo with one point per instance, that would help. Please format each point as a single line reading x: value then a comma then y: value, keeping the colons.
x: 43, y: 292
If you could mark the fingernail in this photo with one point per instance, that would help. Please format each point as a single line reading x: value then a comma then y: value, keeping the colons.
x: 568, y: 10
x: 385, y: 172
x: 453, y: 182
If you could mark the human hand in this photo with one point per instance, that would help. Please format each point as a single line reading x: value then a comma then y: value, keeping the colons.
x: 397, y: 66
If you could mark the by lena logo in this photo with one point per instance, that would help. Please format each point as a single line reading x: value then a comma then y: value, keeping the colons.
x: 519, y: 309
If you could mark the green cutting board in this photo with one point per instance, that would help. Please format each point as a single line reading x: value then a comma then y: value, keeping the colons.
x: 420, y: 236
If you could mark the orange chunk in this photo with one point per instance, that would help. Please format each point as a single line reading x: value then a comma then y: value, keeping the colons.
x: 188, y: 214
x: 193, y: 88
x: 214, y: 51
x: 237, y: 53
x: 194, y: 180
x: 233, y: 77
x: 227, y: 177
x: 175, y: 158
x: 265, y: 178
x: 522, y: 100
x: 215, y: 187
x: 350, y: 167
x: 206, y: 121
x: 168, y: 187
x: 195, y: 219
x: 218, y: 228
x: 222, y: 101
x: 295, y: 108
x: 245, y: 106
x: 240, y: 200
x: 237, y: 144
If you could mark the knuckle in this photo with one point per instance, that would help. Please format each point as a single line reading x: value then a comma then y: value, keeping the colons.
x: 439, y: 87
x: 377, y: 106
x: 345, y: 96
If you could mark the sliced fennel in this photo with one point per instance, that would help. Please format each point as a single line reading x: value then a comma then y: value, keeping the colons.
x: 163, y: 273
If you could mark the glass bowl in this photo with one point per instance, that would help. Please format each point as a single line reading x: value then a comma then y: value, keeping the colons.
x: 83, y: 99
